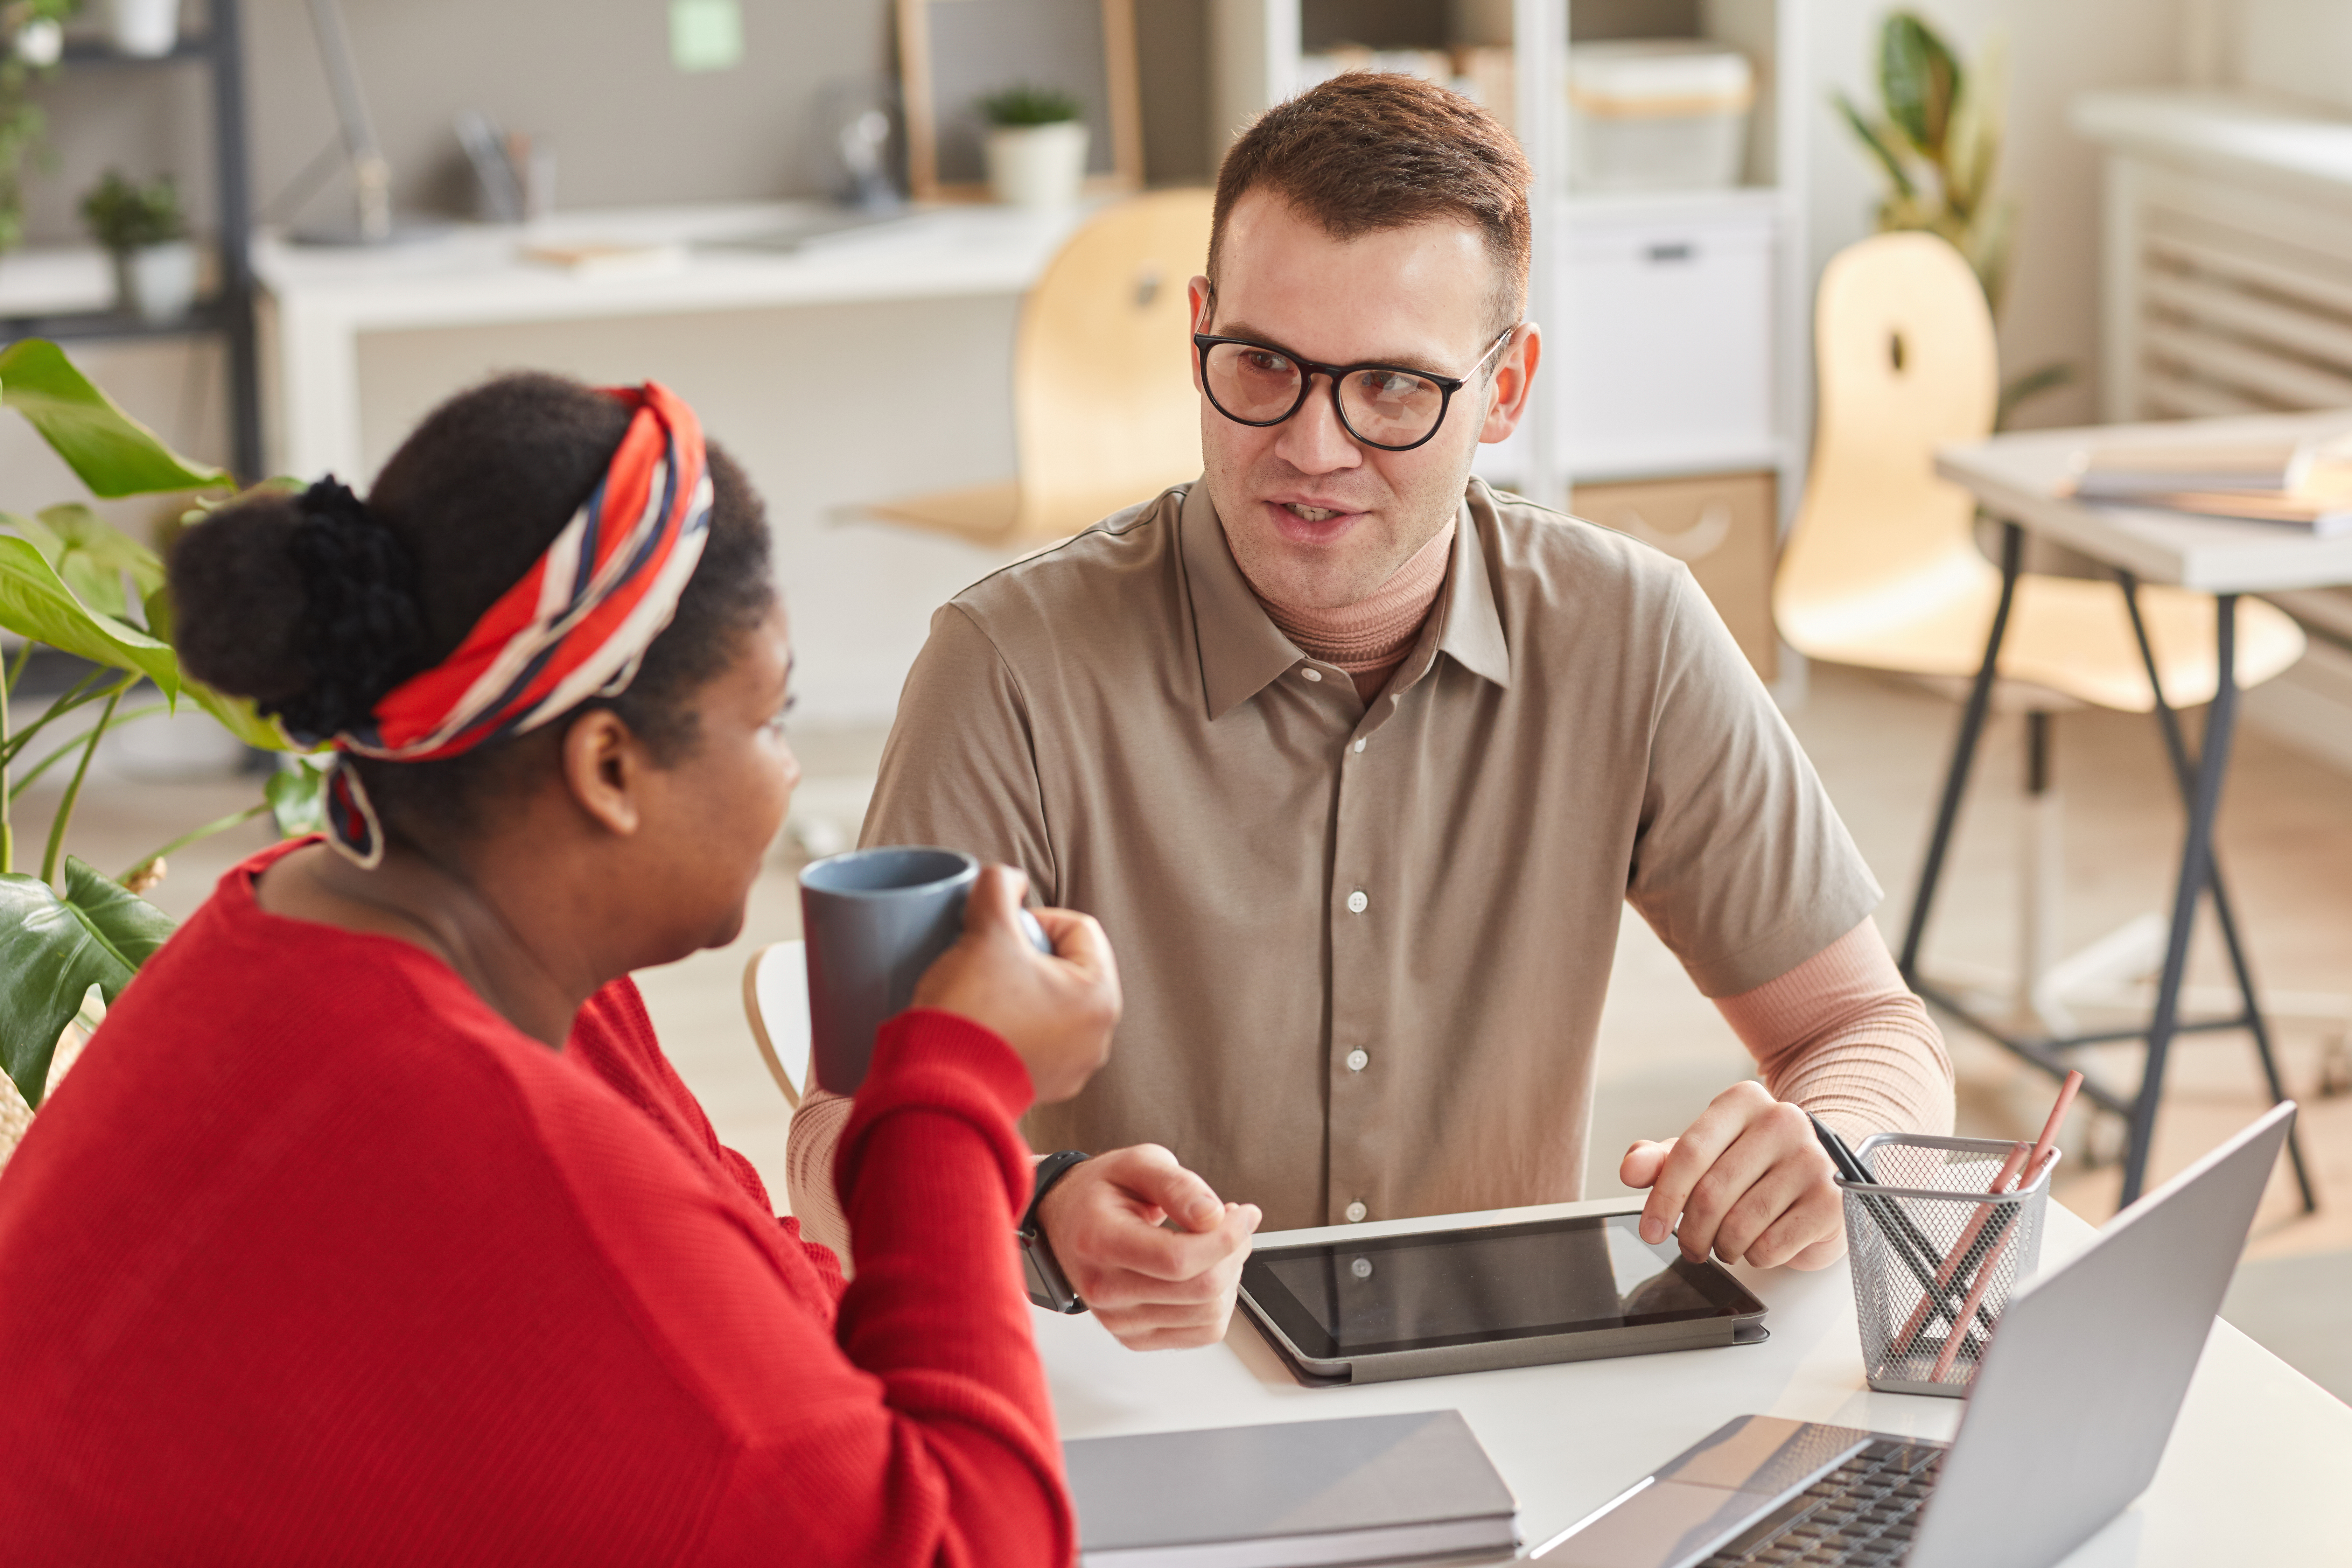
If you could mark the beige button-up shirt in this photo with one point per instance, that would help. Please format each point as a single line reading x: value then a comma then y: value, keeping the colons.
x: 1365, y: 945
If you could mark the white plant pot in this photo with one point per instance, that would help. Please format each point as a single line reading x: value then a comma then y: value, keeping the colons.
x: 1037, y: 165
x: 157, y: 283
x: 143, y: 27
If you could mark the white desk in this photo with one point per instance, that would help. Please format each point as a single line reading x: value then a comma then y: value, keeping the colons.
x: 2255, y: 1473
x: 316, y: 302
x: 2016, y: 477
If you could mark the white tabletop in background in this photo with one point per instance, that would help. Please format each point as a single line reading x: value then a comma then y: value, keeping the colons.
x: 2257, y: 1470
x: 2016, y: 477
x: 475, y: 273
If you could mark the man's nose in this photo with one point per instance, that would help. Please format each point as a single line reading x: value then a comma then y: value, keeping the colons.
x: 1313, y: 440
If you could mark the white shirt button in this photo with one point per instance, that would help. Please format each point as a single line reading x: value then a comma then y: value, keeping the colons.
x: 1358, y: 904
x: 1356, y: 1211
x: 1360, y: 745
x: 1358, y: 1061
x: 1312, y: 674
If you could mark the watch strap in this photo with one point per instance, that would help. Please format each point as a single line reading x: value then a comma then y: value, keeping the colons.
x: 1048, y: 1286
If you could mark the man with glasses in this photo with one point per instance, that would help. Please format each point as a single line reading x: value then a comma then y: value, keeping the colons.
x: 1357, y: 760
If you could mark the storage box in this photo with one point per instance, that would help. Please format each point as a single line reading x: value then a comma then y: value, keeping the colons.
x: 1657, y: 114
x: 1723, y: 526
x: 1663, y: 357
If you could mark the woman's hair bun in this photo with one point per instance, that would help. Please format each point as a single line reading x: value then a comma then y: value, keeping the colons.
x: 304, y: 603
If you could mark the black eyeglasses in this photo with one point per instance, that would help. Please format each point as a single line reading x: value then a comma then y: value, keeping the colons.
x: 1382, y: 405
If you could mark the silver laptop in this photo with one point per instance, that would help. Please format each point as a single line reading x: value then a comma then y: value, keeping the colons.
x: 2068, y: 1416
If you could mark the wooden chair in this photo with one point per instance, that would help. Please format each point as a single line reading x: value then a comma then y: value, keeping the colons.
x: 1883, y: 571
x: 1103, y: 413
x: 775, y: 1003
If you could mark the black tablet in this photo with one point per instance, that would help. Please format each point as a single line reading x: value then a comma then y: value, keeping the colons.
x: 1507, y: 1295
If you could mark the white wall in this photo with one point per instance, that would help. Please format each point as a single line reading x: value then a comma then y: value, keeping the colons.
x: 2058, y: 49
x: 2299, y: 46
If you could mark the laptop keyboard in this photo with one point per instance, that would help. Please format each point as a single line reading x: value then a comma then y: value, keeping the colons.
x: 1859, y: 1515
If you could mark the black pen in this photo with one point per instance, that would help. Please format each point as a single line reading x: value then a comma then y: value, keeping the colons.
x: 1917, y: 1254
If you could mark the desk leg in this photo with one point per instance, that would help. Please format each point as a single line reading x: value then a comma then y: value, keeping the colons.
x: 2196, y: 867
x: 2185, y: 774
x: 1964, y: 752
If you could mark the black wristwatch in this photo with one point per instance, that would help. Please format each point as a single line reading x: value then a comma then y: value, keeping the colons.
x: 1048, y: 1286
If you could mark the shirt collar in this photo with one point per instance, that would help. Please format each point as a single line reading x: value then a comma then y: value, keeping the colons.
x: 1242, y: 651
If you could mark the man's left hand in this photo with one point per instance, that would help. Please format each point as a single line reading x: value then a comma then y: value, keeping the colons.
x: 1748, y: 1182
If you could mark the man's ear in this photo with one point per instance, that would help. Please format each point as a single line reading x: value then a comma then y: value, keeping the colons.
x: 605, y: 766
x: 1514, y: 376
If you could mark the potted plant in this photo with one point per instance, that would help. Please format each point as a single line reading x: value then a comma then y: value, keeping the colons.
x: 1036, y: 146
x: 144, y: 230
x: 146, y: 29
x: 71, y: 936
x: 32, y: 41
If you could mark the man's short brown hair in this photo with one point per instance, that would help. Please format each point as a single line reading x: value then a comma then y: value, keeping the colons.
x: 1368, y: 152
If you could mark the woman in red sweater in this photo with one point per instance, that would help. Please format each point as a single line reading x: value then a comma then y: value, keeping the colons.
x: 375, y: 1226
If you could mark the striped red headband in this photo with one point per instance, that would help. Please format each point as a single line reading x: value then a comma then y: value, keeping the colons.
x: 574, y: 627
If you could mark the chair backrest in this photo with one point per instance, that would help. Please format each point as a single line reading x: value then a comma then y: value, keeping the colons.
x: 1104, y: 411
x: 775, y: 1004
x: 1904, y: 346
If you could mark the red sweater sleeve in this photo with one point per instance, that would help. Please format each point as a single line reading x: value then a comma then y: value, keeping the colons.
x: 957, y: 1461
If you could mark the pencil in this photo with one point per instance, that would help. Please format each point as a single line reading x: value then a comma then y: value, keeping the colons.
x: 2010, y: 1167
x: 2045, y: 1149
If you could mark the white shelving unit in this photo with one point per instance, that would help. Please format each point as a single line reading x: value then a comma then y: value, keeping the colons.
x: 1702, y: 292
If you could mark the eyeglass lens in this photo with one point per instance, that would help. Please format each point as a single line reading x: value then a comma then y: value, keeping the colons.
x: 1385, y: 407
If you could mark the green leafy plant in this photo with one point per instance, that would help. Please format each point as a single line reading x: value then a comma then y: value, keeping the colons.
x: 30, y: 38
x: 70, y: 581
x: 1027, y: 105
x: 1938, y: 144
x: 124, y: 215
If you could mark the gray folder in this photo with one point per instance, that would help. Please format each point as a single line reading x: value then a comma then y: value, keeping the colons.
x: 1367, y: 1489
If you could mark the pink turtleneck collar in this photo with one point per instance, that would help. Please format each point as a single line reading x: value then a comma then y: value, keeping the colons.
x: 1371, y: 638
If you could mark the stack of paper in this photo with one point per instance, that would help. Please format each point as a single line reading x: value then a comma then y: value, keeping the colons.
x: 2301, y: 485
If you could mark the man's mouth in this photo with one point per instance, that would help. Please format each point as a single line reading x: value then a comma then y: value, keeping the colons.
x: 1311, y: 513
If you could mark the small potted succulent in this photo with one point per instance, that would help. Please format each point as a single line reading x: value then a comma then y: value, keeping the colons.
x: 144, y: 230
x: 1036, y: 146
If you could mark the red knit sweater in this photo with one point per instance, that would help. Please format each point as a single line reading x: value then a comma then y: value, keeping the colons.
x: 314, y: 1258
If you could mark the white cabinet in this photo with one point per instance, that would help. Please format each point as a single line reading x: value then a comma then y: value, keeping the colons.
x: 1664, y: 352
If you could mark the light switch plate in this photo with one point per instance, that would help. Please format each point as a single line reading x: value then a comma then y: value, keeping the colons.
x: 706, y: 34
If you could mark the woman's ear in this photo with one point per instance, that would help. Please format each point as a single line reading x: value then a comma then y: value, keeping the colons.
x: 605, y: 767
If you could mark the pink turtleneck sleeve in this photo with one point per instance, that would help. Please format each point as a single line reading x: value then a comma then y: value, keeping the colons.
x: 1843, y: 1036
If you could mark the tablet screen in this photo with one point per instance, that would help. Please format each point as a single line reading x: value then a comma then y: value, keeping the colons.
x: 1384, y: 1295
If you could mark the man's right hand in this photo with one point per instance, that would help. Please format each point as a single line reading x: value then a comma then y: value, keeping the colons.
x: 1154, y: 1287
x: 1055, y: 1013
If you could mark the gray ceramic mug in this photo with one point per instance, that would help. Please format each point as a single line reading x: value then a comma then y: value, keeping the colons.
x: 874, y: 920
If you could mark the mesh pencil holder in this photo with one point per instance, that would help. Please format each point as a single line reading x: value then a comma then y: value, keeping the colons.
x: 1930, y: 1248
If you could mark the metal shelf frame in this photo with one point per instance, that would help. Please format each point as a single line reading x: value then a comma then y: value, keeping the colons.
x: 229, y: 314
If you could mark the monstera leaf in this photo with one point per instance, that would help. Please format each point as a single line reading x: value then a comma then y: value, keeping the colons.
x: 113, y: 453
x: 36, y: 603
x: 53, y: 950
x: 93, y: 557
